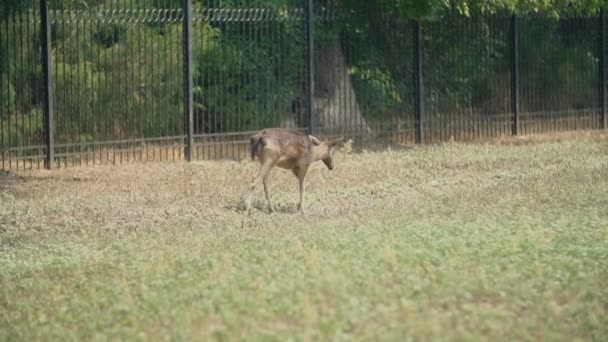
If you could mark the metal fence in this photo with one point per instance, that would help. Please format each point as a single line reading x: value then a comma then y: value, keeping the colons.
x: 87, y: 82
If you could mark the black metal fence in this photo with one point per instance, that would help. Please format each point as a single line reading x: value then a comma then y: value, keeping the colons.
x: 113, y: 81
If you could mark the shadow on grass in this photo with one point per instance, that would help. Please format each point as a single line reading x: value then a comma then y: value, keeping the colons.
x: 238, y: 205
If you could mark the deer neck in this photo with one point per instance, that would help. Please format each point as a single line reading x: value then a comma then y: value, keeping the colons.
x: 319, y: 152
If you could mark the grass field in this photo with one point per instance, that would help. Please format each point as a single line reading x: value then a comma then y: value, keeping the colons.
x: 448, y: 242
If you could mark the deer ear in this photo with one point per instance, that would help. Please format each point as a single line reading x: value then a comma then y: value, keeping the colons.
x: 314, y: 140
x: 336, y: 142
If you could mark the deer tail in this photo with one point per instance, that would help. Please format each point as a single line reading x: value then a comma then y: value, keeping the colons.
x: 255, y: 143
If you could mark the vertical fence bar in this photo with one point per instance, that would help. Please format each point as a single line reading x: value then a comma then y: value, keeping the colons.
x: 418, y: 83
x: 310, y: 67
x: 45, y: 42
x: 188, y: 104
x: 602, y: 69
x: 515, y: 76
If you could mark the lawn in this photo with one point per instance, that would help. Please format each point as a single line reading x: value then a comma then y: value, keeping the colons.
x: 497, y: 241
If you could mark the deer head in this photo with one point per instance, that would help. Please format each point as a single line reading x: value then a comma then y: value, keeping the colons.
x: 324, y: 151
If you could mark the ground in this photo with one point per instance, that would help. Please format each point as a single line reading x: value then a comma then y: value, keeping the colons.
x: 495, y: 241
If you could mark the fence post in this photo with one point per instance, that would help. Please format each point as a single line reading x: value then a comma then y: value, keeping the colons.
x: 418, y: 83
x: 515, y: 76
x: 310, y: 67
x: 188, y: 105
x: 602, y: 69
x: 45, y: 43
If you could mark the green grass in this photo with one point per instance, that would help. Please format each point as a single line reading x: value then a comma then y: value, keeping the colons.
x: 450, y: 242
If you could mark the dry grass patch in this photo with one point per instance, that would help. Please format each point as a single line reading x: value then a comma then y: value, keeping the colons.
x: 452, y: 241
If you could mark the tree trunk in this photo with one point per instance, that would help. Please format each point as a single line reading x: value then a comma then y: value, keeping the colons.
x: 335, y: 102
x: 336, y: 107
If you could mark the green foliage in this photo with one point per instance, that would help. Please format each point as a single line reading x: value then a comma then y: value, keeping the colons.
x: 20, y: 70
x: 556, y: 58
x: 68, y: 109
x: 405, y: 9
x: 467, y: 63
x: 246, y: 75
x: 124, y: 80
x: 9, y: 8
x: 16, y: 130
x: 554, y: 7
x: 409, y: 9
x: 377, y: 90
x: 110, y: 35
x: 7, y: 96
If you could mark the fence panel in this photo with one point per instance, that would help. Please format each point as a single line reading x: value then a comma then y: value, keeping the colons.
x: 364, y: 87
x: 559, y: 73
x: 249, y: 63
x: 21, y: 81
x: 117, y: 74
x: 467, y: 77
x: 118, y: 91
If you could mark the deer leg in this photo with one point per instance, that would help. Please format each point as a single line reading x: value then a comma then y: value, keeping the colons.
x: 267, y: 192
x: 265, y: 167
x: 254, y: 182
x: 300, y: 172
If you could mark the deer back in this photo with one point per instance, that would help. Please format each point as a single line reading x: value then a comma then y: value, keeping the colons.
x: 291, y: 147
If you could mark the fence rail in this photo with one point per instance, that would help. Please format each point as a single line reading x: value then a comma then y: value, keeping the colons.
x: 118, y: 81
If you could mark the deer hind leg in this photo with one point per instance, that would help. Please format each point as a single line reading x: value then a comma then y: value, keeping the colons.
x: 265, y: 167
x: 267, y: 191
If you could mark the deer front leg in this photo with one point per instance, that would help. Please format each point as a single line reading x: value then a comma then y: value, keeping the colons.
x: 301, y: 204
x: 300, y: 172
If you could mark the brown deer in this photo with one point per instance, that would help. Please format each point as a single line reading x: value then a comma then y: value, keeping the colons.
x: 287, y: 149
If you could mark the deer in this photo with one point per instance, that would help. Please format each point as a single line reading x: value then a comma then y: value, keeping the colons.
x: 288, y: 149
